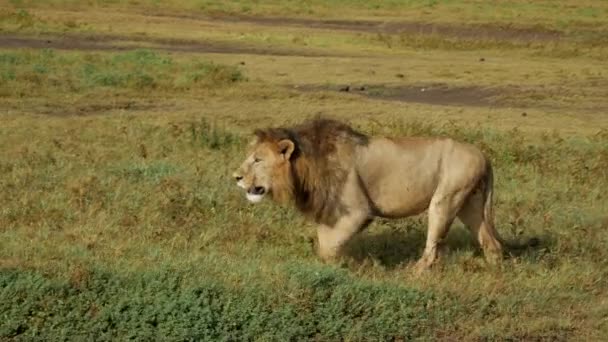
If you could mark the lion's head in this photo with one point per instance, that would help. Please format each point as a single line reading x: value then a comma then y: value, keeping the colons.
x: 266, y: 169
x: 308, y: 164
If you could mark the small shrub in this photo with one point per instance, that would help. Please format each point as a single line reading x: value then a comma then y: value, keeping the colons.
x: 213, y: 137
x: 219, y: 73
x: 139, y: 172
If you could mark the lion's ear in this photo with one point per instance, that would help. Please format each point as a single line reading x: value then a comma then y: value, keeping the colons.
x: 286, y: 148
x: 253, y: 141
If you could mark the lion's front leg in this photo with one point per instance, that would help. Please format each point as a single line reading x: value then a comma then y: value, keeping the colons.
x: 332, y: 239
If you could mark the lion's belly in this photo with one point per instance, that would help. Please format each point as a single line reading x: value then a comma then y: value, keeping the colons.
x: 399, y: 182
x: 395, y: 197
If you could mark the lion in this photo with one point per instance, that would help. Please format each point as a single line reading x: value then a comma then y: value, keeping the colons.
x: 342, y: 179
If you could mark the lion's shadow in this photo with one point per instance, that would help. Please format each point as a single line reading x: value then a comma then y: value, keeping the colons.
x: 394, y: 247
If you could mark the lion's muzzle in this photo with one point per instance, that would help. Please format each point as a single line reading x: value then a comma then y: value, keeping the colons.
x: 255, y: 194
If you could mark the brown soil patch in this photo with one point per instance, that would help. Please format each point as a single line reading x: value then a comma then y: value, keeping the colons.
x: 435, y: 94
x: 94, y: 107
x: 98, y: 108
x: 122, y: 43
x: 514, y: 96
x: 476, y: 32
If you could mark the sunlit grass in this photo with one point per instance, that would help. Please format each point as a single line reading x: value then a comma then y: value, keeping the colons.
x: 550, y: 14
x: 42, y: 72
x: 575, y: 39
x: 160, y: 194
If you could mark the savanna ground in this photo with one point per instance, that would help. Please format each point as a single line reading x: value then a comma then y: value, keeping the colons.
x: 122, y: 120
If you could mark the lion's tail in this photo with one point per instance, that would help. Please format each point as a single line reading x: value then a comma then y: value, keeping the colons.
x: 488, y: 213
x: 488, y: 193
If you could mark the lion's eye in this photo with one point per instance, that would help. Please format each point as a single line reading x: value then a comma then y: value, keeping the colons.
x: 257, y: 160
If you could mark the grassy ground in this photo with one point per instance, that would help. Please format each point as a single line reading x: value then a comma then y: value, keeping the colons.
x: 538, y: 13
x: 118, y: 218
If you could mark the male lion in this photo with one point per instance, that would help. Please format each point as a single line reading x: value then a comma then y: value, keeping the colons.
x: 342, y: 178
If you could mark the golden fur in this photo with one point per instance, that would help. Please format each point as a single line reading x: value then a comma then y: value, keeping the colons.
x: 342, y: 178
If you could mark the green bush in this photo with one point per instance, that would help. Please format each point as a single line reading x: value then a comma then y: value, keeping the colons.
x: 211, y: 136
x: 316, y: 302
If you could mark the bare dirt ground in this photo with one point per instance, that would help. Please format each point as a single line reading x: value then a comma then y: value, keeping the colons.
x: 123, y: 43
x: 436, y: 94
x: 495, y: 32
x: 508, y: 96
x: 474, y: 32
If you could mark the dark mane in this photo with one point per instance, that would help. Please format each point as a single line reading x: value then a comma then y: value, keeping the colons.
x: 323, y: 156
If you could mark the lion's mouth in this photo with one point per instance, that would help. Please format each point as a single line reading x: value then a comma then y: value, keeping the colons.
x: 257, y: 190
x: 256, y: 193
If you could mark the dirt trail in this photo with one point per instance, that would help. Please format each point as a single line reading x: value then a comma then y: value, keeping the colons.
x: 456, y: 31
x: 119, y: 42
x: 122, y: 43
x: 513, y: 96
x: 477, y: 31
x: 435, y: 94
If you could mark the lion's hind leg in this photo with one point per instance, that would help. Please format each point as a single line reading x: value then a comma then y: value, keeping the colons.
x: 472, y: 215
x: 441, y: 213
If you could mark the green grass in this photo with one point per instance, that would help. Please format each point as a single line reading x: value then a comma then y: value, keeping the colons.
x: 214, y: 137
x: 37, y: 72
x: 123, y: 214
x: 580, y: 35
x: 19, y: 19
x: 561, y: 15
